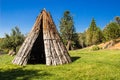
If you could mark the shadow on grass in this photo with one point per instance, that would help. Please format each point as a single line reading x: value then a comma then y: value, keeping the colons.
x: 75, y: 58
x: 20, y: 74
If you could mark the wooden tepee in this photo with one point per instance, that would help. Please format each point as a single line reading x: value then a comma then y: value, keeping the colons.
x: 43, y: 44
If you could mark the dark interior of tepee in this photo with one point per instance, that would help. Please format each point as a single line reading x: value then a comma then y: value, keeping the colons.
x: 43, y: 45
x: 37, y: 54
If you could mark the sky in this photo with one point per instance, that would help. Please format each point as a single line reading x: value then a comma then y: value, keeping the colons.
x: 23, y: 13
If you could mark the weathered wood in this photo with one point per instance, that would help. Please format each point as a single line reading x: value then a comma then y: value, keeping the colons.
x: 60, y: 44
x: 26, y: 46
x: 54, y: 49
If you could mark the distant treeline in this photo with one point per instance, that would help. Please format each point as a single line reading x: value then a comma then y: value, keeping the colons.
x: 92, y: 36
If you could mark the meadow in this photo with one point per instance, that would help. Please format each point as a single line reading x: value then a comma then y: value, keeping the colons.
x: 86, y: 65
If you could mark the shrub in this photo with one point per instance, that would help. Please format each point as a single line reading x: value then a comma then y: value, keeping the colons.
x: 4, y: 51
x: 95, y: 48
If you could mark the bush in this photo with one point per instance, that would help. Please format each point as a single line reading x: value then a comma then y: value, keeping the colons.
x: 95, y: 48
x: 1, y: 51
x: 4, y: 51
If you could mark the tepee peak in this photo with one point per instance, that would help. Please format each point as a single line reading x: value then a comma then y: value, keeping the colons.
x: 44, y: 9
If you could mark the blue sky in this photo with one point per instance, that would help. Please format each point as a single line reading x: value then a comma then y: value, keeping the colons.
x: 23, y: 13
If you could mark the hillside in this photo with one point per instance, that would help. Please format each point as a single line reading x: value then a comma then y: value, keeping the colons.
x: 111, y: 44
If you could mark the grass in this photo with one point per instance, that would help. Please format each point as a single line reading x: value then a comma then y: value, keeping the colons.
x: 86, y: 65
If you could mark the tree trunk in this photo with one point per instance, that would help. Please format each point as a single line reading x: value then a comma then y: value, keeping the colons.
x: 11, y: 52
x: 82, y: 45
x: 71, y: 48
x: 68, y: 45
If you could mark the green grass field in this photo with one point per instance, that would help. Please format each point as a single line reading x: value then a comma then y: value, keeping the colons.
x: 86, y: 65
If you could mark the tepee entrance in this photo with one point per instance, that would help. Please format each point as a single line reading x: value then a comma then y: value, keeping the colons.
x: 43, y: 45
x: 37, y: 54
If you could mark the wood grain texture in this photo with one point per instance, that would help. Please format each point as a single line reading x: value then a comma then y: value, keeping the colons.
x: 54, y: 49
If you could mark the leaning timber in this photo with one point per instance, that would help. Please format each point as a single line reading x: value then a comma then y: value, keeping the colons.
x: 43, y: 44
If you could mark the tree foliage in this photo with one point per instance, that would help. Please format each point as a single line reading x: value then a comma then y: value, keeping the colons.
x: 111, y: 31
x: 67, y: 29
x: 81, y: 39
x: 117, y: 18
x: 13, y: 40
x: 93, y: 34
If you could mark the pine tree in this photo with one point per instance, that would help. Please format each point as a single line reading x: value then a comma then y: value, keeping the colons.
x: 67, y: 29
x: 82, y: 39
x: 93, y: 34
x: 117, y: 18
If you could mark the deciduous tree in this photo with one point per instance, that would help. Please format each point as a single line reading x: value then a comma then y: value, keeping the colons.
x: 13, y: 40
x: 111, y: 31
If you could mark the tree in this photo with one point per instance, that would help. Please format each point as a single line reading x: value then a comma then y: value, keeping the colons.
x: 111, y: 31
x: 82, y: 39
x: 67, y: 29
x: 13, y: 40
x: 1, y: 40
x: 117, y: 18
x: 75, y: 41
x: 93, y: 34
